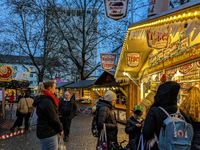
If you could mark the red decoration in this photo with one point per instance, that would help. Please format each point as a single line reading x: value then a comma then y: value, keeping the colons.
x: 163, y: 78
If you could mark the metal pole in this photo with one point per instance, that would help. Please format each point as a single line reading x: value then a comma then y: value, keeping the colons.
x: 131, y: 11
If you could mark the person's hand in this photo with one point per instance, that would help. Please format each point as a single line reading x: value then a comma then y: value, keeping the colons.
x: 138, y: 124
x: 61, y: 133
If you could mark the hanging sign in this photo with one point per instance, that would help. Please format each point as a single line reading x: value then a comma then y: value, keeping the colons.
x: 133, y: 59
x: 198, y: 64
x: 171, y: 72
x: 5, y: 73
x: 186, y: 68
x: 116, y: 9
x: 155, y: 40
x: 157, y: 6
x: 107, y: 61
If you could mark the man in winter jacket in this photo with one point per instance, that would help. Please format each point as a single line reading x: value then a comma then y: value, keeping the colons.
x: 68, y: 110
x: 166, y: 97
x: 106, y: 115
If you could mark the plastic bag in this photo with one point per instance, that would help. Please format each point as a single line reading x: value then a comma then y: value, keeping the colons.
x: 61, y: 144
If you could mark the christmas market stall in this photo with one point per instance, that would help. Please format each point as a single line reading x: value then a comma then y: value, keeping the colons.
x: 60, y: 88
x: 8, y: 87
x: 84, y: 95
x: 124, y: 90
x: 164, y: 47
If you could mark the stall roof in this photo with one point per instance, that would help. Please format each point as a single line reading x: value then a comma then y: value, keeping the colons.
x: 62, y: 84
x: 136, y: 41
x: 81, y: 84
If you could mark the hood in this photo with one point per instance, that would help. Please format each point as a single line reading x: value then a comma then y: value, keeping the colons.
x: 38, y: 99
x: 102, y: 103
x: 167, y: 94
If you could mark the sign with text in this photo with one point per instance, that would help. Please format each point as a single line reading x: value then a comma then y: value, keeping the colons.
x: 171, y: 72
x: 186, y: 68
x: 157, y: 6
x: 107, y: 61
x: 133, y: 59
x: 116, y: 9
x: 155, y: 40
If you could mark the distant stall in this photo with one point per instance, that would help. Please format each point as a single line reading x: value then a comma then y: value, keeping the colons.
x: 85, y: 96
x: 60, y: 88
x: 124, y: 92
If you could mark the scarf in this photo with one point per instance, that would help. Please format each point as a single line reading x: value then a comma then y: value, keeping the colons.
x: 51, y: 96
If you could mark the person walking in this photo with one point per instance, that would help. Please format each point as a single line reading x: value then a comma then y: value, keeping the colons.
x: 166, y: 97
x: 48, y: 124
x: 191, y: 106
x: 106, y: 115
x: 68, y: 110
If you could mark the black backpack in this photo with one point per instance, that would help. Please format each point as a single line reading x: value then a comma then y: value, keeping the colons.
x: 94, y: 125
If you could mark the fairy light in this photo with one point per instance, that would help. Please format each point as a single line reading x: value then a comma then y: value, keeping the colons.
x: 179, y: 16
x: 184, y: 15
x: 195, y: 13
x: 189, y: 14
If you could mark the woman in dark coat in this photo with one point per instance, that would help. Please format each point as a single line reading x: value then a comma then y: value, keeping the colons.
x: 166, y: 98
x: 191, y: 106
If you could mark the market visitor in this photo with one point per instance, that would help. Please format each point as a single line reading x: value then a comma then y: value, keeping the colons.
x: 11, y: 98
x: 191, y: 106
x: 166, y: 97
x: 134, y: 126
x: 68, y: 110
x: 48, y: 124
x: 106, y: 115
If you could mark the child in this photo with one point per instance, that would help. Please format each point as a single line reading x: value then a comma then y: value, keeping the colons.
x: 133, y: 127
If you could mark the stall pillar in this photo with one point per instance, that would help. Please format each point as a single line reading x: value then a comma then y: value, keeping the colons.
x: 3, y: 101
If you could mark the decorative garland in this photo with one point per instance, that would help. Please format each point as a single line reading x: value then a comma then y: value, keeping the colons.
x: 14, y: 84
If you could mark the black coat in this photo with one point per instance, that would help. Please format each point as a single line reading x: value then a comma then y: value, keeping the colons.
x: 107, y: 115
x: 62, y: 106
x: 196, y: 137
x: 166, y: 98
x: 131, y: 129
x: 48, y: 123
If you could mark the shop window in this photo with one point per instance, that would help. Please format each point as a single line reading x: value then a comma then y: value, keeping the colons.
x: 31, y: 75
x: 31, y: 82
x: 121, y: 98
x: 86, y: 94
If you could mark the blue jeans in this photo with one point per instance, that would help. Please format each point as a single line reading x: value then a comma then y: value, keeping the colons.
x: 50, y: 143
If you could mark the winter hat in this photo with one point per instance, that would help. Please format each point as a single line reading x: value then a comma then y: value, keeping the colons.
x: 138, y: 107
x: 110, y: 96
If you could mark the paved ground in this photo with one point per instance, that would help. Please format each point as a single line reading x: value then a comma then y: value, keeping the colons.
x: 80, y: 136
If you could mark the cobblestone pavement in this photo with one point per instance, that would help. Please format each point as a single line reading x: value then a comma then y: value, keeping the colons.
x: 80, y: 136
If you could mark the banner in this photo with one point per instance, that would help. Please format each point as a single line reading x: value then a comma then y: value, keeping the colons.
x: 157, y: 6
x: 133, y: 59
x: 107, y: 61
x: 116, y: 9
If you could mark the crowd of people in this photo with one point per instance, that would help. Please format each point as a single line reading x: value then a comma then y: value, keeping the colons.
x: 54, y: 116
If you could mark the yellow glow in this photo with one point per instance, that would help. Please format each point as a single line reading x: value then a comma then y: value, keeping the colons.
x: 179, y: 16
x: 167, y: 19
x: 164, y: 20
x: 161, y: 20
x: 189, y: 14
x: 184, y: 15
x: 195, y: 13
x: 174, y: 17
x: 170, y: 18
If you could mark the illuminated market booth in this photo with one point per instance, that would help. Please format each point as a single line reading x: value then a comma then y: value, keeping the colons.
x: 60, y: 88
x: 164, y: 47
x: 123, y: 89
x: 84, y: 95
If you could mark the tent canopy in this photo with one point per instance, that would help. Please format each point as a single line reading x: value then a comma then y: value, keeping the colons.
x: 81, y: 84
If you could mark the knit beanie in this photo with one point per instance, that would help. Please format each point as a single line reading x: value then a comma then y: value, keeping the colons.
x: 110, y: 96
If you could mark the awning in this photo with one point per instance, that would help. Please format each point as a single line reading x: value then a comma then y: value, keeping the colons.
x: 139, y: 35
x: 62, y: 84
x: 81, y: 84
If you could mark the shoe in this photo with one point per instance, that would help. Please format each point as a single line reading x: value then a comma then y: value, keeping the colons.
x: 67, y: 139
x: 12, y: 129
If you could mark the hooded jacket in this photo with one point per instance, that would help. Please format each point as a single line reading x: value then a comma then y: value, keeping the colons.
x: 48, y: 123
x: 166, y: 98
x: 107, y: 115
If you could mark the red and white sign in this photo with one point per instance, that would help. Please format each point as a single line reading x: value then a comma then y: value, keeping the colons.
x: 133, y: 59
x: 184, y: 43
x: 107, y: 61
x: 159, y: 42
x: 157, y: 6
x: 171, y: 72
x: 186, y: 68
x: 116, y: 9
x: 198, y: 64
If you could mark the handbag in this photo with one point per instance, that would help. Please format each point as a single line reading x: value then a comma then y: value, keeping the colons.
x: 29, y: 108
x: 102, y: 143
x: 61, y: 144
x: 141, y: 144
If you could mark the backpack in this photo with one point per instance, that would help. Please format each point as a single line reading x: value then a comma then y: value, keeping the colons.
x: 94, y: 127
x: 175, y: 133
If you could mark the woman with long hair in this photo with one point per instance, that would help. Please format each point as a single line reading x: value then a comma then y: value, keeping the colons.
x: 48, y: 123
x: 191, y: 106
